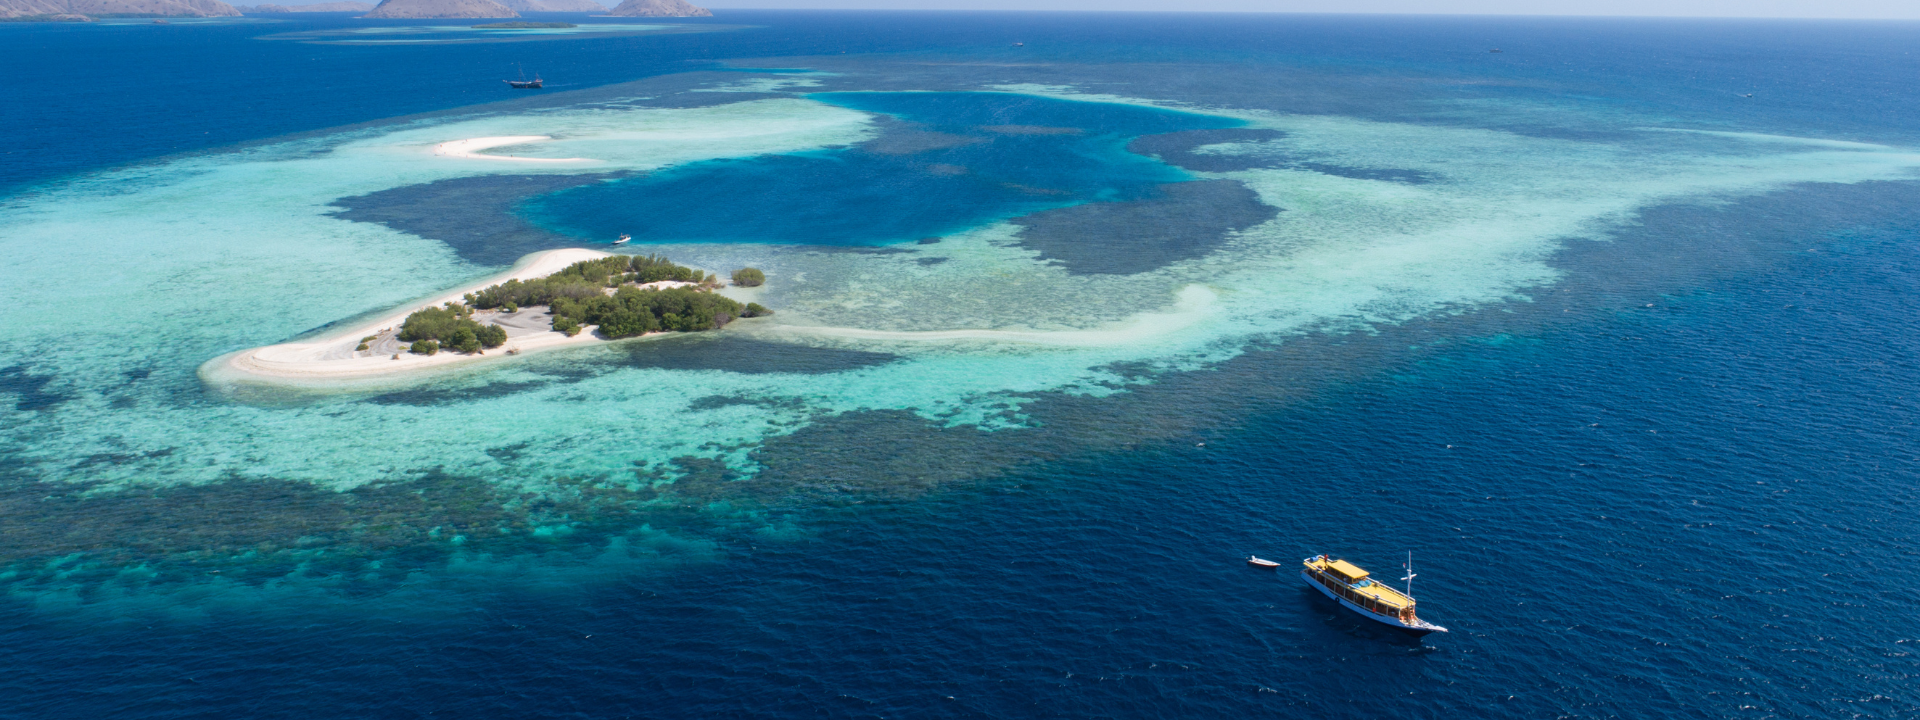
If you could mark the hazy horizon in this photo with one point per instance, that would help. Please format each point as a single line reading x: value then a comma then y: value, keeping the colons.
x: 1753, y: 9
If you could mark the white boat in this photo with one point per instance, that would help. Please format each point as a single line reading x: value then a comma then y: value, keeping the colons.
x: 1350, y: 586
x: 623, y: 239
x: 1261, y: 563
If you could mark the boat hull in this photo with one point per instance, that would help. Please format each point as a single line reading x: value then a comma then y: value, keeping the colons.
x: 1393, y: 622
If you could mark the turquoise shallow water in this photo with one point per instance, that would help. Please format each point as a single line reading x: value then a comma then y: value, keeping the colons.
x: 981, y: 156
x: 1062, y: 336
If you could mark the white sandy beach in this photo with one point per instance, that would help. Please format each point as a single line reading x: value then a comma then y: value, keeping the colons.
x: 470, y: 148
x: 332, y: 357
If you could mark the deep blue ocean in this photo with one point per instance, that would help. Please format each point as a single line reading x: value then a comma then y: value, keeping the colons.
x: 1683, y: 483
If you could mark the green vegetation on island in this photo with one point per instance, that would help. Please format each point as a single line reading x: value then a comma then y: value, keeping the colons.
x: 577, y: 296
x: 631, y: 311
x: 523, y: 25
x: 451, y: 326
x: 749, y: 277
x: 586, y: 279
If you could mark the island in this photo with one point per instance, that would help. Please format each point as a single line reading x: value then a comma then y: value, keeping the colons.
x: 558, y: 298
x: 659, y: 8
x: 359, y: 7
x: 421, y: 9
x: 86, y: 10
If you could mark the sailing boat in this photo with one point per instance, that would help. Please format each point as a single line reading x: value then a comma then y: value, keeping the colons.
x: 1349, y: 585
x: 523, y: 83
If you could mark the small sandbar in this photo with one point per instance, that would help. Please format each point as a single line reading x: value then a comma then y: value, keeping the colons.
x: 1193, y: 304
x: 469, y: 149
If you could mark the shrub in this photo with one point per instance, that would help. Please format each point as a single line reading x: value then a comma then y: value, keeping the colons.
x: 755, y: 310
x: 749, y: 277
x: 362, y: 346
x: 431, y: 324
x: 464, y: 340
x: 424, y: 347
x: 566, y: 325
x: 491, y: 336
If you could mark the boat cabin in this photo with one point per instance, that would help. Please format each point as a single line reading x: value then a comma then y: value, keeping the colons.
x: 1347, y: 572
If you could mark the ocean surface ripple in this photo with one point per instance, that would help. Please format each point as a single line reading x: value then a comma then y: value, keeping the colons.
x: 1625, y: 356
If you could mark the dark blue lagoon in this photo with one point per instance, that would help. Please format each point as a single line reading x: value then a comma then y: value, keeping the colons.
x: 942, y: 163
x: 1614, y: 330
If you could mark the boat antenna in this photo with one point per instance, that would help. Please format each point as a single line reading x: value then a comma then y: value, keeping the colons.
x: 1409, y: 577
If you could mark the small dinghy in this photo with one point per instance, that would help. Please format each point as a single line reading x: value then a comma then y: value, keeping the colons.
x: 1262, y: 564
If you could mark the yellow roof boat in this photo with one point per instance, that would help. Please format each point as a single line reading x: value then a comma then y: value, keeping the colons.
x: 1352, y: 587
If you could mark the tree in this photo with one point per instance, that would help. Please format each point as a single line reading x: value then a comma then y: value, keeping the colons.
x: 424, y: 347
x: 749, y: 277
x: 464, y: 340
x: 491, y: 336
x: 755, y: 310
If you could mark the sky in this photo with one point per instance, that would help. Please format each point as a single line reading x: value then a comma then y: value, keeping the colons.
x: 1856, y: 9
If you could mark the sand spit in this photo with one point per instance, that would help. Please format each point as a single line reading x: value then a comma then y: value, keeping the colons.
x: 470, y: 148
x: 333, y: 357
x: 1193, y: 304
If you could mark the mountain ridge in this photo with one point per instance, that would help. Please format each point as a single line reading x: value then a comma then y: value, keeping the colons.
x: 97, y: 8
x: 659, y: 8
x: 359, y: 7
x: 586, y: 6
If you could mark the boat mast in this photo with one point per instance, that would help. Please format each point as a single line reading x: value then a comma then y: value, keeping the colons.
x: 1409, y: 577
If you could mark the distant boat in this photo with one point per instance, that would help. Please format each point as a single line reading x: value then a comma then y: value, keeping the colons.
x: 623, y: 239
x: 1019, y: 44
x: 1262, y: 564
x: 523, y: 83
x: 1350, y: 586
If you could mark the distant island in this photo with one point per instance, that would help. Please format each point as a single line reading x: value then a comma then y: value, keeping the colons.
x: 419, y: 9
x: 523, y: 25
x: 486, y: 8
x: 659, y: 8
x: 86, y: 10
x: 321, y: 7
x: 553, y: 299
x: 581, y: 6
